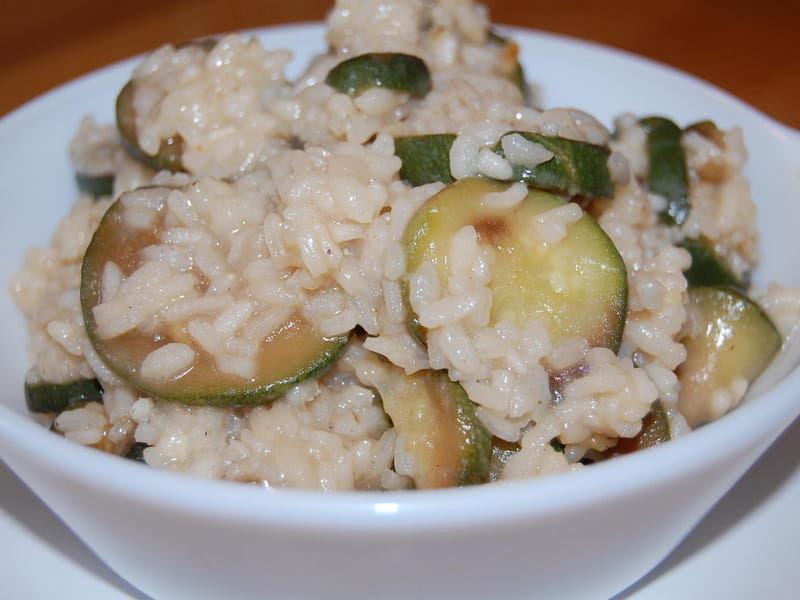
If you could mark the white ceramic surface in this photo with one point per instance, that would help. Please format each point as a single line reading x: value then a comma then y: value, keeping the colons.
x: 582, y: 535
x: 745, y: 548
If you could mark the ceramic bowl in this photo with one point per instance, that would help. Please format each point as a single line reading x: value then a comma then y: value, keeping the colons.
x: 588, y: 534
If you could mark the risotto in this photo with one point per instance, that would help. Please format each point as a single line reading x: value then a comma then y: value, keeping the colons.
x: 396, y: 271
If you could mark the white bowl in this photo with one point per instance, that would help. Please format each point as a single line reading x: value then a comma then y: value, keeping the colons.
x: 581, y: 535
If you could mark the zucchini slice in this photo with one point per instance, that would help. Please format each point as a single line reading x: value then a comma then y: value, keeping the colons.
x: 46, y: 397
x: 169, y: 155
x: 502, y: 450
x: 716, y: 169
x: 425, y: 158
x: 515, y: 72
x: 440, y: 430
x: 576, y: 168
x: 393, y: 70
x: 95, y: 185
x: 655, y: 430
x: 707, y: 268
x: 294, y: 351
x: 578, y: 286
x: 729, y: 343
x: 666, y: 170
x: 170, y: 152
x: 136, y: 452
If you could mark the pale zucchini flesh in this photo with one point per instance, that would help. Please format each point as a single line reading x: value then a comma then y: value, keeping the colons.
x: 295, y: 351
x: 578, y: 286
x: 170, y: 151
x: 436, y: 423
x: 730, y: 341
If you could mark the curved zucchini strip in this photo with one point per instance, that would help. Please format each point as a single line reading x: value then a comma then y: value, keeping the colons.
x: 578, y: 286
x: 169, y: 155
x: 707, y: 267
x: 425, y: 158
x: 709, y: 130
x: 666, y: 170
x: 95, y: 185
x: 293, y: 352
x: 730, y: 342
x: 437, y: 424
x: 392, y: 70
x: 516, y: 72
x: 46, y: 397
x: 576, y: 168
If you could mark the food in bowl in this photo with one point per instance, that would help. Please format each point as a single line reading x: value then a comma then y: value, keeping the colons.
x: 394, y: 271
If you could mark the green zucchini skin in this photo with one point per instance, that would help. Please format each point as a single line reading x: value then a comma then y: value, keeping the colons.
x: 707, y: 267
x: 47, y: 397
x: 136, y: 452
x: 666, y: 172
x: 169, y: 155
x: 392, y: 70
x: 95, y: 185
x: 425, y: 158
x: 577, y: 169
x: 517, y: 74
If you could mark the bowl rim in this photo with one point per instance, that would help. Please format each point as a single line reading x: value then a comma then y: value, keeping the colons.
x: 757, y: 422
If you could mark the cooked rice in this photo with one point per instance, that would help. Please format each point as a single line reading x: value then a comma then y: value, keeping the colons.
x: 258, y: 230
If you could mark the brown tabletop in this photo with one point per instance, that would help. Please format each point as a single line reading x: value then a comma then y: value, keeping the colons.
x: 748, y: 48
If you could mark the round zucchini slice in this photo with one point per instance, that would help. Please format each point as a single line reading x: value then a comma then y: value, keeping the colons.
x: 577, y: 286
x: 292, y: 352
x: 170, y: 153
x: 729, y: 343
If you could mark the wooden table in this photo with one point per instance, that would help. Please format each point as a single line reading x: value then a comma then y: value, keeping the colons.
x: 748, y: 48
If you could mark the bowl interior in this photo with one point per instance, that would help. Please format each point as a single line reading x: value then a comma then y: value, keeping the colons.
x: 36, y: 183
